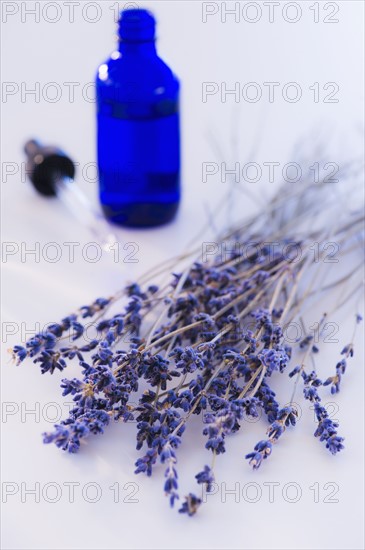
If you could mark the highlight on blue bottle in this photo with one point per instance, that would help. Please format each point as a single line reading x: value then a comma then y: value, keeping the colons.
x: 138, y: 132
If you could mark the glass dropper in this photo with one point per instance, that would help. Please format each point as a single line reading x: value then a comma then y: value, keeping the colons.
x: 52, y: 173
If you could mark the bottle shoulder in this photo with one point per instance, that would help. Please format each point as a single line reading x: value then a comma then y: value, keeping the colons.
x: 119, y: 69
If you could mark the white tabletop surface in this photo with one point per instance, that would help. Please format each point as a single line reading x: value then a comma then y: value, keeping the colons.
x: 36, y: 53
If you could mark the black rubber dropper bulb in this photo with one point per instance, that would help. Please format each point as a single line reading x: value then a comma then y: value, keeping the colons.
x: 47, y: 165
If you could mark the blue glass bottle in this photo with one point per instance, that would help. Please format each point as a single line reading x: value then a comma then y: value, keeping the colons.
x: 138, y: 128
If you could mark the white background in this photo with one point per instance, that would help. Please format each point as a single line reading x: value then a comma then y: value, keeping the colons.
x: 42, y: 52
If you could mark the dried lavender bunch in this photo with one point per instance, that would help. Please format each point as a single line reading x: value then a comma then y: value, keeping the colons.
x: 209, y: 341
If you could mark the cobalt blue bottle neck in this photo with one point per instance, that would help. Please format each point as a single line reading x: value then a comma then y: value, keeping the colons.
x: 137, y: 32
x: 138, y: 48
